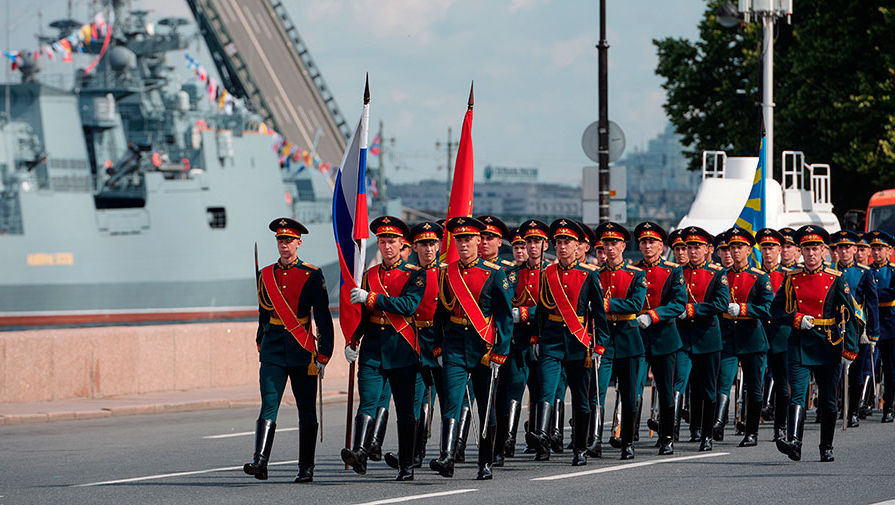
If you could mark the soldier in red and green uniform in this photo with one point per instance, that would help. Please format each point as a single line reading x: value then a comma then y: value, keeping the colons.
x: 290, y: 292
x: 389, y: 349
x: 682, y: 364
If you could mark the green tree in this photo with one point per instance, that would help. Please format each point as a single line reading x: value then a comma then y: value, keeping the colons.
x: 834, y: 93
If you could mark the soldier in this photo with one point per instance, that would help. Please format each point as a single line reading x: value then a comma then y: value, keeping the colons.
x: 624, y: 292
x: 708, y: 296
x: 727, y: 367
x: 863, y: 288
x: 666, y: 296
x: 389, y: 350
x: 520, y: 253
x: 682, y: 364
x: 862, y: 251
x: 789, y: 255
x: 289, y: 293
x: 881, y: 244
x: 568, y: 291
x: 771, y: 243
x: 517, y: 371
x: 678, y: 246
x: 816, y: 302
x: 475, y: 302
x: 751, y: 295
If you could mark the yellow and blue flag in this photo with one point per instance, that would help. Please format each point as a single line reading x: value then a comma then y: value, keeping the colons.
x: 753, y: 217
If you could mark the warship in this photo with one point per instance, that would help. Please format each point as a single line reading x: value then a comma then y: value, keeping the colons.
x: 128, y: 197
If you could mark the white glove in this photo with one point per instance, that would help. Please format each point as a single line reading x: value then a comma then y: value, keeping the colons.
x: 320, y: 368
x: 644, y: 320
x: 872, y: 348
x: 359, y: 295
x: 350, y: 354
x: 440, y: 361
x: 517, y: 316
x: 807, y: 322
x: 846, y: 363
x: 596, y: 359
x: 683, y: 315
x: 733, y: 309
x: 494, y: 367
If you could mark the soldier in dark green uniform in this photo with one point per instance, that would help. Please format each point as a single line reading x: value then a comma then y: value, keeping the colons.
x: 290, y: 292
x: 729, y: 364
x: 475, y: 315
x: 682, y: 363
x: 389, y: 350
x: 817, y: 303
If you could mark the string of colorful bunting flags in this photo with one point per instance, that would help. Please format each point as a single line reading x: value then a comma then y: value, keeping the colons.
x: 96, y: 30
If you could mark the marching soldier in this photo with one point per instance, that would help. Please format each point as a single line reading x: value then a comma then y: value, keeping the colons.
x: 789, y: 254
x: 816, y: 302
x: 771, y: 243
x: 290, y: 292
x: 666, y: 295
x: 682, y: 363
x: 624, y: 292
x: 520, y: 252
x: 881, y: 244
x: 475, y: 314
x: 727, y: 367
x: 863, y: 288
x: 389, y: 350
x: 862, y: 250
x: 569, y: 290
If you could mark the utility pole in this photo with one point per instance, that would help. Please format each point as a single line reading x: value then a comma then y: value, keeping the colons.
x: 450, y: 145
x: 603, y: 110
x: 380, y: 176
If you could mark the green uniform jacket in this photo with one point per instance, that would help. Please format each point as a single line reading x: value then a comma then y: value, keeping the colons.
x: 624, y: 291
x: 380, y: 344
x: 526, y: 283
x: 581, y: 282
x: 707, y: 298
x: 276, y: 345
x: 751, y: 289
x: 778, y: 334
x: 820, y: 294
x: 666, y: 296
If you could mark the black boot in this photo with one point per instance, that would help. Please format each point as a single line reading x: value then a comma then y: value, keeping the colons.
x: 264, y: 432
x: 559, y: 413
x: 422, y: 436
x: 539, y: 437
x: 827, y: 429
x: 486, y: 454
x: 356, y: 458
x: 795, y: 427
x: 753, y: 417
x: 579, y: 438
x: 444, y: 465
x: 720, y: 418
x: 666, y: 429
x: 463, y: 434
x: 888, y: 414
x: 695, y: 422
x: 781, y: 405
x: 854, y: 405
x: 595, y: 434
x: 307, y: 443
x: 509, y: 445
x: 530, y: 427
x: 406, y: 443
x: 627, y: 434
x: 678, y: 409
x: 502, y: 433
x: 379, y: 427
x: 637, y: 417
x: 708, y: 421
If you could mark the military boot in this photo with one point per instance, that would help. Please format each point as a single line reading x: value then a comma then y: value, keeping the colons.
x: 406, y: 443
x: 264, y: 432
x: 502, y: 433
x: 444, y: 464
x: 708, y: 410
x: 888, y: 414
x: 463, y: 433
x: 379, y: 428
x: 753, y: 417
x: 666, y: 430
x: 854, y: 393
x: 539, y: 436
x: 509, y: 445
x: 579, y: 438
x: 695, y: 422
x: 827, y: 429
x: 721, y: 409
x: 781, y: 405
x: 595, y: 434
x: 627, y: 434
x: 637, y: 416
x: 530, y: 426
x: 559, y: 413
x: 678, y: 409
x: 486, y: 454
x: 356, y: 457
x: 795, y: 427
x: 307, y: 444
x: 419, y: 451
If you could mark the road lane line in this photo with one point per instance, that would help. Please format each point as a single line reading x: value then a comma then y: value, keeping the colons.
x: 175, y: 474
x: 418, y: 497
x: 887, y: 502
x: 244, y: 433
x: 630, y: 465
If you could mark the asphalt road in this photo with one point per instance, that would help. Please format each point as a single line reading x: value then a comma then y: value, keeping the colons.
x: 169, y: 458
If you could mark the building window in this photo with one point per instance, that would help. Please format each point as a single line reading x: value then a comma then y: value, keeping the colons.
x: 217, y: 217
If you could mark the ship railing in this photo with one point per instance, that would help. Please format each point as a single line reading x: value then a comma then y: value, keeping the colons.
x: 806, y: 187
x: 714, y: 164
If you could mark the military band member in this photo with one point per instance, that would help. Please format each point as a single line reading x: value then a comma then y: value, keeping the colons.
x: 816, y: 302
x: 666, y: 296
x: 290, y: 292
x: 569, y: 291
x: 771, y: 243
x: 624, y: 292
x: 520, y: 253
x: 789, y: 254
x: 708, y: 297
x: 863, y: 288
x: 881, y: 244
x: 389, y: 349
x: 682, y: 364
x: 475, y: 314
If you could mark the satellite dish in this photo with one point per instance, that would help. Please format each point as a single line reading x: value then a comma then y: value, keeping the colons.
x: 590, y: 141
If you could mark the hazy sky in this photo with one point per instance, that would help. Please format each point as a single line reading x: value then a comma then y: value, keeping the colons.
x: 533, y: 61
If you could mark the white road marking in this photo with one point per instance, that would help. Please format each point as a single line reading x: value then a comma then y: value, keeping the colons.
x: 887, y: 502
x: 244, y: 433
x: 630, y: 465
x: 418, y: 497
x: 175, y: 474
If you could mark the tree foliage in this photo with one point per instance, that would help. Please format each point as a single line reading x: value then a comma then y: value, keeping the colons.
x: 834, y: 93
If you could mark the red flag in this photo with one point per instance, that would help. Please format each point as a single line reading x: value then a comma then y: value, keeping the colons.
x: 460, y: 203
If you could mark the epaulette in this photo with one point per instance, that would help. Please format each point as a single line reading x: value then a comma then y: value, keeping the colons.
x: 632, y: 267
x: 786, y: 269
x: 490, y: 265
x: 670, y: 264
x: 757, y: 270
x: 308, y: 265
x: 863, y: 267
x: 507, y: 263
x: 411, y: 266
x: 441, y: 264
x: 795, y: 270
x: 834, y: 273
x: 714, y: 266
x: 588, y: 266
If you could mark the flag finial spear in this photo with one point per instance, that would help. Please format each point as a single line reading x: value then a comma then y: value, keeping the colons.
x: 367, y: 90
x: 471, y: 101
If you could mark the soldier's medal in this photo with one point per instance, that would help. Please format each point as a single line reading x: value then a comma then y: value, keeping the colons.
x: 644, y: 282
x: 724, y: 279
x: 846, y: 288
x: 513, y: 277
x: 420, y: 282
x: 769, y: 286
x: 682, y: 281
x: 506, y: 284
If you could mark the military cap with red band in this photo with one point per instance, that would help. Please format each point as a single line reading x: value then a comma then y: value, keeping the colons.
x: 649, y: 230
x: 721, y: 240
x: 389, y: 226
x: 427, y: 230
x: 676, y: 238
x: 769, y: 236
x: 567, y: 228
x: 612, y: 231
x: 739, y: 235
x: 517, y: 237
x: 494, y: 226
x: 812, y: 234
x: 696, y: 235
x: 459, y: 226
x: 534, y: 228
x: 287, y: 227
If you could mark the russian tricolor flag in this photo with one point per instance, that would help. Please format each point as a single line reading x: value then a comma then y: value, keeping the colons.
x: 350, y: 223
